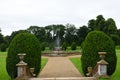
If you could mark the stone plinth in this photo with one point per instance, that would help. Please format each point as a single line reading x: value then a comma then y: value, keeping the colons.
x: 102, y: 64
x: 21, y: 67
x: 102, y: 67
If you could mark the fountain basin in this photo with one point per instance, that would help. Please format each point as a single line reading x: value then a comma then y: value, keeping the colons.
x: 57, y: 53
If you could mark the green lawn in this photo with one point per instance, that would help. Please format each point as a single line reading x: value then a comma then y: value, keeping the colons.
x: 77, y: 63
x: 43, y: 62
x: 115, y: 76
x: 3, y: 72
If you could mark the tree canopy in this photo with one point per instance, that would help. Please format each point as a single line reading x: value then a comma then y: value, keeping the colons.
x: 70, y: 33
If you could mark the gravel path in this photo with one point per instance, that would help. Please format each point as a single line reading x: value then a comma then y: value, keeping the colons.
x: 59, y: 67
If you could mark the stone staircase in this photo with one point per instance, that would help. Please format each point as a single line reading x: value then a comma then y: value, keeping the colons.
x: 66, y: 78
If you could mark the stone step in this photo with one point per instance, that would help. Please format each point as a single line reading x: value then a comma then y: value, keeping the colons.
x: 66, y: 78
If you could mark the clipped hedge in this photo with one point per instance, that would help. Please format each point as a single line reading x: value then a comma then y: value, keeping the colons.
x: 23, y: 43
x: 95, y: 42
x: 73, y: 46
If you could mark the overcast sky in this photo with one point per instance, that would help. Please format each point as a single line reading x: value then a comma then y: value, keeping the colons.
x: 20, y: 14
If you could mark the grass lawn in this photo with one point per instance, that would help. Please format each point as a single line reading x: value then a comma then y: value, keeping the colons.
x: 43, y: 62
x: 115, y: 76
x: 77, y: 63
x: 3, y: 72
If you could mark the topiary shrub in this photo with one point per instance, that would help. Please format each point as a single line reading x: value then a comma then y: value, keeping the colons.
x: 64, y: 46
x: 95, y: 42
x: 73, y: 46
x: 23, y: 43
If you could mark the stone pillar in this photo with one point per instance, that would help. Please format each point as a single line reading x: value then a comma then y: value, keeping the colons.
x: 21, y: 66
x: 102, y: 65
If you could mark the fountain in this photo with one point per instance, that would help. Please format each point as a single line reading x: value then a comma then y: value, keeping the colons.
x: 57, y: 51
x: 57, y: 42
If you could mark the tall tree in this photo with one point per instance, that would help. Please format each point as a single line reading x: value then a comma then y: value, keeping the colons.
x: 7, y: 40
x: 99, y: 22
x: 91, y: 24
x: 107, y: 26
x: 82, y: 33
x: 70, y: 35
x: 1, y: 38
x: 49, y: 33
x: 33, y: 30
x: 39, y: 32
x: 112, y: 28
x: 3, y: 44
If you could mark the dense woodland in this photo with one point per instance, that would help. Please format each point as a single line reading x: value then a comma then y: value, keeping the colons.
x: 68, y: 33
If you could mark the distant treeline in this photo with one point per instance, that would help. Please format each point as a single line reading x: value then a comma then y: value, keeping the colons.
x: 68, y: 33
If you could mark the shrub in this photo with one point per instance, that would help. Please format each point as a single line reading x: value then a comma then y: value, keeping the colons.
x: 51, y: 46
x: 3, y: 47
x: 115, y: 38
x: 95, y: 42
x: 73, y: 46
x: 64, y: 46
x: 43, y: 45
x: 23, y: 43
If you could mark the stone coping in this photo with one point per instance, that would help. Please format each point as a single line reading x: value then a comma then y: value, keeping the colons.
x: 66, y: 78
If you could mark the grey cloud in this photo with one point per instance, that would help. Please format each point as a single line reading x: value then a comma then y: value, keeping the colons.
x: 20, y: 14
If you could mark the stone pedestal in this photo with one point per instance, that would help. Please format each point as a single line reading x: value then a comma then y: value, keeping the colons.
x: 21, y: 67
x: 102, y: 64
x: 102, y: 69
